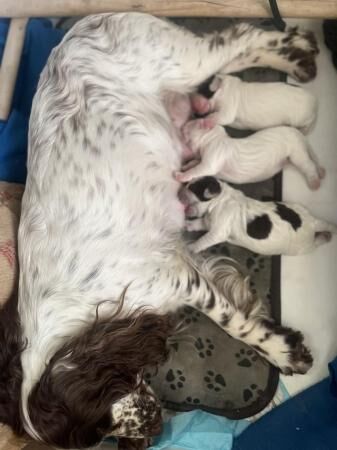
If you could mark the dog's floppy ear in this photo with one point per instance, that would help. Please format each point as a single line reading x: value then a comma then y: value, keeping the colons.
x: 70, y: 406
x: 205, y: 188
x: 11, y: 346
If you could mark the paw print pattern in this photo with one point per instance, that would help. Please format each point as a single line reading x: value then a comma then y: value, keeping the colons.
x: 220, y: 249
x: 249, y: 393
x: 255, y: 263
x: 189, y: 315
x: 246, y: 358
x: 252, y: 286
x: 194, y: 401
x: 214, y: 381
x: 175, y: 378
x: 204, y: 347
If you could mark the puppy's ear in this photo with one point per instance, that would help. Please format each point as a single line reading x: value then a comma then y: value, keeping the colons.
x: 205, y: 188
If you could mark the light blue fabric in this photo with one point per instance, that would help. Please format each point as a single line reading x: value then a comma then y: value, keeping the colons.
x: 198, y: 430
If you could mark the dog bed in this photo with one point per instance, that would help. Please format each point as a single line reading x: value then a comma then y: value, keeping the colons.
x: 208, y: 369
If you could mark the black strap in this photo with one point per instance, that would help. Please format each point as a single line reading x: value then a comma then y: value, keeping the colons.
x: 278, y: 21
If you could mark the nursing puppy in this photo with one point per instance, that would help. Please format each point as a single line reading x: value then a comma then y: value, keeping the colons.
x: 268, y: 228
x: 255, y: 106
x: 247, y: 160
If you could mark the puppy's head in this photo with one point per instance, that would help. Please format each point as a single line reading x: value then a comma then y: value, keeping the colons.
x: 205, y: 188
x: 92, y: 387
x: 202, y: 190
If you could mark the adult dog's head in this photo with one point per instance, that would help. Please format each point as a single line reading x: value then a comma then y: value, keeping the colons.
x: 93, y: 387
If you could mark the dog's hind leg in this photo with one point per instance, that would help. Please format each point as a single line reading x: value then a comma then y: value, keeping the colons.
x: 176, y: 59
x: 292, y: 51
x: 300, y: 155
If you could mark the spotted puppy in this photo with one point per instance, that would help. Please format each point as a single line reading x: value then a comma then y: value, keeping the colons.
x: 269, y: 228
x: 247, y: 160
x: 257, y: 105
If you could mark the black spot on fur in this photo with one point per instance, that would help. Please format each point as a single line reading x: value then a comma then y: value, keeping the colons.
x: 206, y: 185
x: 224, y: 320
x: 272, y: 43
x: 197, y: 279
x: 211, y: 301
x: 260, y: 227
x: 289, y: 215
x: 216, y: 42
x: 286, y: 40
x: 92, y: 275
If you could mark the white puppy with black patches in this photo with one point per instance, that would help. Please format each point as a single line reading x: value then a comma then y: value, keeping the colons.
x: 247, y: 160
x: 269, y: 228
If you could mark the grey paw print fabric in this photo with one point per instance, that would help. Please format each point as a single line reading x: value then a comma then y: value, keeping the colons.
x: 208, y: 369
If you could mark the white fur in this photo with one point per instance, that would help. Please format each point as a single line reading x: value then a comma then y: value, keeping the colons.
x: 100, y: 211
x: 254, y: 106
x: 251, y: 159
x: 227, y: 216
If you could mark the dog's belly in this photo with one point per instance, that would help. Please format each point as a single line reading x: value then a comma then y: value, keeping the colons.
x: 93, y: 219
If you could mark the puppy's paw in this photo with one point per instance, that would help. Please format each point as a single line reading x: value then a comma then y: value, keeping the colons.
x: 215, y: 84
x: 322, y: 237
x: 190, y: 164
x: 197, y: 125
x: 193, y: 224
x: 193, y: 247
x: 314, y: 183
x: 321, y: 172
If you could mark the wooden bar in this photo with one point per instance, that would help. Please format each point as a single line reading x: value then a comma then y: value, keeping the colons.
x: 10, y: 64
x: 173, y: 8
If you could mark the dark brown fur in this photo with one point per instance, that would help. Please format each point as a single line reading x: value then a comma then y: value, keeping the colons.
x: 133, y: 444
x: 10, y: 364
x: 72, y: 407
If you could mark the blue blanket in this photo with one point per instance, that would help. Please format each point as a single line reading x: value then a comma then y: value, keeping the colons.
x: 307, y: 421
x: 40, y: 39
